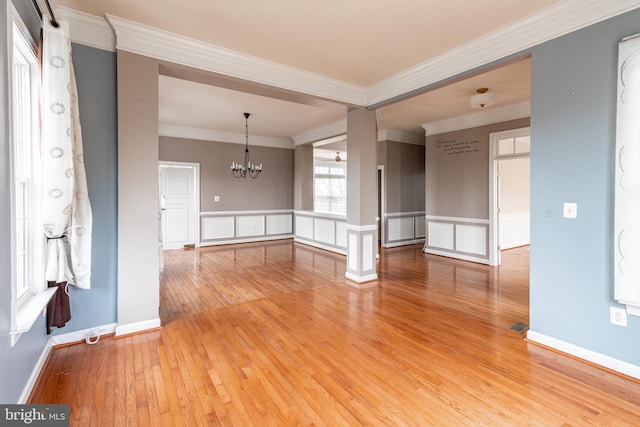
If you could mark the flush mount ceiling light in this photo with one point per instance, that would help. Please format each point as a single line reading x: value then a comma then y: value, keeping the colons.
x: 246, y: 168
x: 484, y: 98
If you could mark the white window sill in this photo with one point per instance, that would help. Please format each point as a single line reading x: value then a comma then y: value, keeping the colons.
x: 28, y: 312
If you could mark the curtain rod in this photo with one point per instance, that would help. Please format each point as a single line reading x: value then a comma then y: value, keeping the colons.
x: 53, y: 18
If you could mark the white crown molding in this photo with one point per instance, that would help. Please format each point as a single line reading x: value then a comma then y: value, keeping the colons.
x: 323, y: 132
x: 144, y: 40
x: 554, y: 21
x: 87, y: 29
x: 200, y: 134
x: 481, y: 118
x: 400, y: 136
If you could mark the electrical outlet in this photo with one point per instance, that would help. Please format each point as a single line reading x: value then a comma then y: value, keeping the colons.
x: 216, y: 198
x: 570, y: 210
x: 618, y: 316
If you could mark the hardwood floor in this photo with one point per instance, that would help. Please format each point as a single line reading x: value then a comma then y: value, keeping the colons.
x: 271, y: 334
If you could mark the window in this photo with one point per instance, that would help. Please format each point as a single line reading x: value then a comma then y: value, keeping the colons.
x: 330, y: 187
x: 27, y: 240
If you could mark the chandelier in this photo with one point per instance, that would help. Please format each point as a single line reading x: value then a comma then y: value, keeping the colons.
x: 246, y: 168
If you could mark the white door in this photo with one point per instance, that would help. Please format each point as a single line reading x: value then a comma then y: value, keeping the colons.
x: 178, y: 204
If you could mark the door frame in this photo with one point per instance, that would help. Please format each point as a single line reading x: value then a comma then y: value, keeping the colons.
x: 196, y: 194
x: 494, y: 226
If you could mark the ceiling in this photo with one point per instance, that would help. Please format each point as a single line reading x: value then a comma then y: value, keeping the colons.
x: 361, y: 42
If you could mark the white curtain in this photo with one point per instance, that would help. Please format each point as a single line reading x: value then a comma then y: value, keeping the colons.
x: 65, y: 209
x: 627, y: 183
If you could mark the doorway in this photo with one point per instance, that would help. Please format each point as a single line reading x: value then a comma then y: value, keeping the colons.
x: 179, y: 204
x: 509, y: 192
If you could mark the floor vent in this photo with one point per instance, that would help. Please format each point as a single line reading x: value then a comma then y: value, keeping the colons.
x: 519, y: 327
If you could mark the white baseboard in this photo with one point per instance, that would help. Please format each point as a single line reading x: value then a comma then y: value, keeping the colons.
x: 456, y: 255
x: 53, y: 341
x: 403, y: 243
x: 315, y: 244
x: 73, y: 337
x: 585, y: 354
x: 254, y: 239
x: 132, y: 328
x: 361, y: 279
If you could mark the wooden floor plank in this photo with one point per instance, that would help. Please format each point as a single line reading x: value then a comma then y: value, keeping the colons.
x: 273, y: 334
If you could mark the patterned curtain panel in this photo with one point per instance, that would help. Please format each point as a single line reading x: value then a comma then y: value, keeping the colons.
x: 66, y: 211
x: 627, y: 183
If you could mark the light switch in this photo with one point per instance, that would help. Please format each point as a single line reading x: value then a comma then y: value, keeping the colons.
x: 570, y: 210
x: 216, y: 198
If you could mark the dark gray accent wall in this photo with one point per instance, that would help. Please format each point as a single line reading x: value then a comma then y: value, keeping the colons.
x: 272, y: 190
x: 457, y: 170
x: 97, y: 87
x: 404, y: 176
x: 573, y: 123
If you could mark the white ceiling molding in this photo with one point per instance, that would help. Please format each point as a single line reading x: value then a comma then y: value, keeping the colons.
x: 551, y: 22
x: 400, y: 136
x: 219, y: 136
x: 144, y: 40
x: 321, y: 133
x: 88, y: 29
x: 328, y: 141
x: 481, y: 118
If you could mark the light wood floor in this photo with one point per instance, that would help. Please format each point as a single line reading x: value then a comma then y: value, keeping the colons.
x: 271, y: 334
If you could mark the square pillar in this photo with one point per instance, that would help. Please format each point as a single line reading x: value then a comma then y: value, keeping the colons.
x: 362, y: 195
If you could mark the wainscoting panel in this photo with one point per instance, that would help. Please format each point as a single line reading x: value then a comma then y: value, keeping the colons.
x: 323, y: 231
x: 304, y: 227
x: 279, y: 224
x: 421, y: 226
x: 222, y: 227
x: 250, y: 225
x: 341, y: 234
x: 471, y: 239
x: 462, y: 238
x: 440, y: 235
x: 403, y: 228
x: 218, y: 228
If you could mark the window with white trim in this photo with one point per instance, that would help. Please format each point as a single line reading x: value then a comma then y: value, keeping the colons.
x: 330, y: 187
x: 27, y: 280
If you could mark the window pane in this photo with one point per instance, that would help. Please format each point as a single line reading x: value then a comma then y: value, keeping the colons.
x: 505, y: 146
x: 523, y: 144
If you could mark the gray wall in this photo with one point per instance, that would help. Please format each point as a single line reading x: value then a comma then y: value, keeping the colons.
x: 457, y: 170
x: 272, y: 190
x: 573, y: 122
x: 303, y: 178
x: 96, y: 79
x: 404, y: 171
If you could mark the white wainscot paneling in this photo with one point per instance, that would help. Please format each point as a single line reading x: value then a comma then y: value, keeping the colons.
x: 471, y: 239
x: 251, y: 225
x: 367, y: 252
x: 325, y: 231
x: 353, y: 252
x: 218, y: 227
x: 279, y: 224
x: 401, y: 228
x: 514, y: 230
x: 341, y: 234
x: 420, y: 226
x: 304, y: 227
x: 440, y: 235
